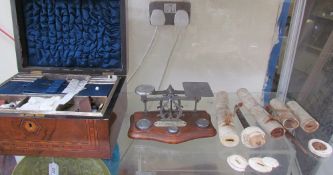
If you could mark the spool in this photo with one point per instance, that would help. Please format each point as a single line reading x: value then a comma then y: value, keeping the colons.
x: 307, y: 122
x: 237, y: 163
x: 253, y: 137
x: 320, y: 148
x: 257, y: 164
x: 227, y: 132
x: 284, y: 115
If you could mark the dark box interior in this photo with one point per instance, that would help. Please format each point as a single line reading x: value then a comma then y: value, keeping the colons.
x: 58, y: 41
x: 61, y: 38
x: 77, y: 33
x: 70, y: 35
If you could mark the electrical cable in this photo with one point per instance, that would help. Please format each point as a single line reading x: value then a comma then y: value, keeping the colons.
x: 151, y: 43
x: 7, y: 34
x: 149, y: 48
x: 169, y: 58
x: 126, y: 150
x: 132, y: 75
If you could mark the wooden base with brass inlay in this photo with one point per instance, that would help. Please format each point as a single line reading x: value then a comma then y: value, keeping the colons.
x: 161, y: 134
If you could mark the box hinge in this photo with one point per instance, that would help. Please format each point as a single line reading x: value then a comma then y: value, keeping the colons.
x: 107, y: 73
x: 32, y: 115
x: 36, y: 72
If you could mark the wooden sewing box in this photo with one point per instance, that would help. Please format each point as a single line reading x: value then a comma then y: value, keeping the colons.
x: 56, y: 42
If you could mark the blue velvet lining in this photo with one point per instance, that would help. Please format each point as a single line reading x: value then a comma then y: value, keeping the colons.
x: 90, y: 90
x: 46, y: 86
x: 73, y: 33
x: 52, y: 87
x: 13, y: 87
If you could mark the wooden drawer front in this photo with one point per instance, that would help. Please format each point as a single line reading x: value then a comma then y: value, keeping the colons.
x: 55, y: 137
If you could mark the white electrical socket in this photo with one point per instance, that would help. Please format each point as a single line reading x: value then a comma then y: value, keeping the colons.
x: 170, y: 7
x: 169, y: 13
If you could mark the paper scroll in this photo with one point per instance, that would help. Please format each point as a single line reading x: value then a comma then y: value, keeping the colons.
x: 284, y: 115
x: 307, y: 123
x: 264, y: 120
x: 227, y: 132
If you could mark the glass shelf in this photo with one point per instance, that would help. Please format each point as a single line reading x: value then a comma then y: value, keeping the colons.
x: 200, y: 156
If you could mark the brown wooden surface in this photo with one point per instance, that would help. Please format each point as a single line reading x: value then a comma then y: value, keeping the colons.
x: 189, y: 132
x: 55, y: 137
x: 62, y: 136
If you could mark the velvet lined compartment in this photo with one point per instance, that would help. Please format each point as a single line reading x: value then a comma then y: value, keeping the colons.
x: 73, y: 33
x: 52, y: 87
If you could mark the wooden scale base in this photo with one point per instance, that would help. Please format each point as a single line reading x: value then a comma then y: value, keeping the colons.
x: 189, y: 132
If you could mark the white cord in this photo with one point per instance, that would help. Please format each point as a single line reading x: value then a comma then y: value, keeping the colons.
x: 169, y: 58
x: 145, y: 54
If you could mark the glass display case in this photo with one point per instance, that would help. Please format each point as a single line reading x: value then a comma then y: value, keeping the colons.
x: 311, y: 79
x: 200, y: 156
x: 230, y: 44
x: 225, y: 43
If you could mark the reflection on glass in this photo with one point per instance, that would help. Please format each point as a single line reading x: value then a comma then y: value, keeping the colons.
x: 312, y: 81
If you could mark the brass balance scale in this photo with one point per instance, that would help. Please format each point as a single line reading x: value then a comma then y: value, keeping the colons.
x: 170, y: 123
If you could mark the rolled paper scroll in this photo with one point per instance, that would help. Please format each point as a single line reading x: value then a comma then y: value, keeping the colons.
x: 264, y: 120
x: 227, y: 132
x: 247, y: 99
x: 284, y: 115
x: 307, y: 123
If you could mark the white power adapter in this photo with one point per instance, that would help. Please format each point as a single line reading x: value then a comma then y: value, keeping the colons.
x: 157, y: 17
x: 182, y: 18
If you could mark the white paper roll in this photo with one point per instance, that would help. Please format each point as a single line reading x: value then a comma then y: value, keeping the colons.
x: 271, y: 127
x: 228, y: 136
x: 247, y: 99
x: 307, y: 122
x: 227, y: 132
x: 284, y: 115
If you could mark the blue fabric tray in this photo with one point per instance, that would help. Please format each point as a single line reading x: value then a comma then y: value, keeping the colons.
x: 45, y: 86
x: 52, y: 87
x: 90, y: 90
x: 75, y: 33
x: 13, y: 87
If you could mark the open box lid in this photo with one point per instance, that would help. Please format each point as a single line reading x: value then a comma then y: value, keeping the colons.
x: 76, y: 36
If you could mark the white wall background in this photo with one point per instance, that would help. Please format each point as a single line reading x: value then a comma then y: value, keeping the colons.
x: 7, y: 47
x: 227, y: 44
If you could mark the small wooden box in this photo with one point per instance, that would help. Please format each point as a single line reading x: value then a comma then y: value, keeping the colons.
x: 57, y: 41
